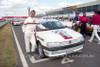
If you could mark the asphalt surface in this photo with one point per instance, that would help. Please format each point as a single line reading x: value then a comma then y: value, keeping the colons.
x: 88, y: 58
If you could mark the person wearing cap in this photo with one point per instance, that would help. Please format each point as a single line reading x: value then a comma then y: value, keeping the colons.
x: 76, y: 21
x: 83, y: 21
x: 28, y: 29
x: 96, y: 24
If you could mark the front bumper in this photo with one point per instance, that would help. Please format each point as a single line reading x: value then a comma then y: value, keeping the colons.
x: 63, y: 50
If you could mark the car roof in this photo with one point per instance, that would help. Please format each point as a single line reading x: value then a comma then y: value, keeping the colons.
x: 48, y: 20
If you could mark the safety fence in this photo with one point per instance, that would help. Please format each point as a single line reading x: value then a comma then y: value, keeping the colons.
x: 2, y: 24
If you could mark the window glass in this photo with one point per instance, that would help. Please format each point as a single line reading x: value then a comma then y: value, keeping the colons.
x: 79, y: 9
x: 99, y: 7
x: 83, y: 9
x: 95, y: 7
x: 89, y: 8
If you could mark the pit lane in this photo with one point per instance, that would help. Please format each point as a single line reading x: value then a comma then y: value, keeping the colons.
x: 88, y: 58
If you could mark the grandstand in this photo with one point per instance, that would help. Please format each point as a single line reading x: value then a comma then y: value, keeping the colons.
x: 69, y: 11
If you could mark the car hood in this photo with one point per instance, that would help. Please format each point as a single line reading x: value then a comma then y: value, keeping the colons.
x: 59, y: 35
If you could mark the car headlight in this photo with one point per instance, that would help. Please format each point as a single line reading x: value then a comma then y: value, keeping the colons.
x: 53, y: 44
x: 80, y: 39
x: 65, y: 43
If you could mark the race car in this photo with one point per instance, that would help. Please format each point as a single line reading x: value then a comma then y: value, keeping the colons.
x: 16, y: 23
x: 58, y: 40
x: 89, y: 28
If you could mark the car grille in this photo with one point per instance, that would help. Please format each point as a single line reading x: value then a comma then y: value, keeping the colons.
x: 67, y: 50
x: 70, y: 42
x: 75, y: 41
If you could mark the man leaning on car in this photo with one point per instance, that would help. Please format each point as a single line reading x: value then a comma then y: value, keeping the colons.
x: 28, y: 29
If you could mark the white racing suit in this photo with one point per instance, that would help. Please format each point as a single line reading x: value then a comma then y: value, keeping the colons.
x: 29, y: 30
x: 94, y: 33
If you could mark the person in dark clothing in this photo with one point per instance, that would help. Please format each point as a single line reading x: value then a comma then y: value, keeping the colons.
x: 76, y: 21
x: 83, y: 20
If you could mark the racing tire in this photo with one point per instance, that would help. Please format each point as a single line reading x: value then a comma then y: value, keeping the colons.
x: 40, y: 51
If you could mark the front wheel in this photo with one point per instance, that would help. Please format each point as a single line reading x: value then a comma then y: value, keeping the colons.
x: 40, y: 51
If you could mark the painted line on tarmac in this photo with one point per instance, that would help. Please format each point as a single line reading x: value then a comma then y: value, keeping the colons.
x: 22, y: 57
x: 66, y: 60
x: 32, y: 59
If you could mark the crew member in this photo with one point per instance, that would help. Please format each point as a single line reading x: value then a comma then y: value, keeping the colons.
x: 76, y: 21
x: 83, y: 21
x: 96, y: 24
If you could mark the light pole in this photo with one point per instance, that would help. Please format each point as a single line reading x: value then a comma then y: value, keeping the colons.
x: 28, y: 11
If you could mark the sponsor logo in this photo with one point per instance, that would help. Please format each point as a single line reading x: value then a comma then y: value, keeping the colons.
x: 63, y: 34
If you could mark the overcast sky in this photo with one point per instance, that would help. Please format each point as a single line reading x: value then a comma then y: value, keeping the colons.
x: 19, y: 7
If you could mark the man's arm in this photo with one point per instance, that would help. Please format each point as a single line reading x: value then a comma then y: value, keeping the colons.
x: 80, y: 19
x: 75, y: 20
x: 24, y: 26
x: 41, y: 26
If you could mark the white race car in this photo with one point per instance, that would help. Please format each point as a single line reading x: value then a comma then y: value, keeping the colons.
x: 58, y: 40
x: 16, y: 23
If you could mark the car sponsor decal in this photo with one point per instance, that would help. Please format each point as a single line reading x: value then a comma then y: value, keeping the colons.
x: 65, y: 35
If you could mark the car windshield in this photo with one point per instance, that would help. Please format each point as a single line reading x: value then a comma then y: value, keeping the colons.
x: 53, y: 25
